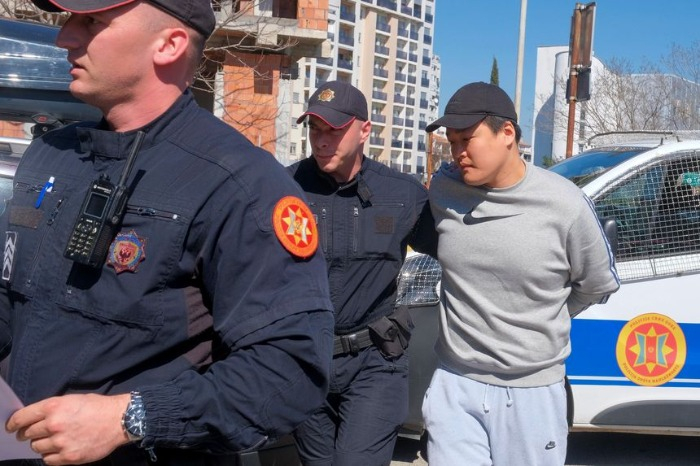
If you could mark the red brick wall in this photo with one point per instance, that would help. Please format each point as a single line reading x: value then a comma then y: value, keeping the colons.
x: 251, y: 88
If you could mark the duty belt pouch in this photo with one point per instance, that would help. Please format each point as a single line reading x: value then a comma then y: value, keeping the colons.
x: 391, y: 334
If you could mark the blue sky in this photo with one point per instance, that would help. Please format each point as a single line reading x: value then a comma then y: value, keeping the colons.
x: 470, y: 33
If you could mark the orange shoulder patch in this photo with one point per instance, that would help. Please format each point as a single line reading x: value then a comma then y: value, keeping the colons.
x: 295, y: 226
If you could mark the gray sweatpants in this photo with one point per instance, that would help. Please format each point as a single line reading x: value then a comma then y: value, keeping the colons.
x: 475, y: 424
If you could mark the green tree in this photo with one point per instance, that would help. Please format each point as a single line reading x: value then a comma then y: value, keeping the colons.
x: 494, y: 72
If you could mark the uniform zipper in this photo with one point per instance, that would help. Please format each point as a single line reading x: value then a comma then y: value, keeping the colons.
x: 151, y: 212
x: 53, y: 215
x: 355, y: 229
x: 326, y: 235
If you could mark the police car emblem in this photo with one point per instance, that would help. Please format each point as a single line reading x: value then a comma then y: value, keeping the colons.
x: 126, y: 252
x: 326, y: 95
x: 651, y: 349
x: 295, y: 227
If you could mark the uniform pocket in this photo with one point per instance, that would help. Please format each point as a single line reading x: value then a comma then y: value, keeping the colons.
x: 379, y: 229
x: 129, y: 288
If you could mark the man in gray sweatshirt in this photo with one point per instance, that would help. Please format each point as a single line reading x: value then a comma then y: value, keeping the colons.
x: 522, y: 252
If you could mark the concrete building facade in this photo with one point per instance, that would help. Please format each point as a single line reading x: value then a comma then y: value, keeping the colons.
x: 384, y: 48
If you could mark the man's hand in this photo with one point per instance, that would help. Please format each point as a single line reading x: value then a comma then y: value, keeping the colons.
x: 72, y: 429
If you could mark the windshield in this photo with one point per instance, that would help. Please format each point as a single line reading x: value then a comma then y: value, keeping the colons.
x: 591, y: 164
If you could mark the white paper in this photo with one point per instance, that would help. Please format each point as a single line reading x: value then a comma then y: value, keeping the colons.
x: 10, y: 447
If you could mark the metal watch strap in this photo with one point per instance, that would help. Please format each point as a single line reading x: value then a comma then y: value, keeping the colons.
x: 134, y: 422
x: 134, y: 419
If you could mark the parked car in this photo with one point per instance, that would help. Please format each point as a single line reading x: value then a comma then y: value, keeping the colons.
x: 635, y: 361
x: 11, y: 149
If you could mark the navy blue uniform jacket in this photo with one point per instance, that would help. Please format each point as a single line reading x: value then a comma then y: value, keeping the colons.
x: 365, y: 227
x: 225, y: 333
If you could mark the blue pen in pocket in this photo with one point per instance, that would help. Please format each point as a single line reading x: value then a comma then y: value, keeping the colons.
x: 46, y: 189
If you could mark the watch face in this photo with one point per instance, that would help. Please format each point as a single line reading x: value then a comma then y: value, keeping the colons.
x: 134, y: 420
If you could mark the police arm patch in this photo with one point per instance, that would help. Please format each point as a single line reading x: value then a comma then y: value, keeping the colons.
x: 295, y: 226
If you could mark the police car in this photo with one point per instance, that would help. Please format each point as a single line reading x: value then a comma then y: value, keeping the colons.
x: 635, y: 361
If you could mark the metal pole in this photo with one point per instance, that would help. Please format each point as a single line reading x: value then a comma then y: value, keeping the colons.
x: 429, y: 162
x: 573, y: 80
x: 521, y: 53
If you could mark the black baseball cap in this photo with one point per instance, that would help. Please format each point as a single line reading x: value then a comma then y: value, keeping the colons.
x: 197, y: 14
x: 472, y: 103
x: 337, y: 103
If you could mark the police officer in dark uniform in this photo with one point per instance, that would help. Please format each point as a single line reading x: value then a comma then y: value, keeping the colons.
x: 367, y: 214
x: 201, y: 324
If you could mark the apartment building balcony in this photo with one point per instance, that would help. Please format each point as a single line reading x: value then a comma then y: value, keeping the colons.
x: 397, y: 121
x: 399, y: 99
x: 409, y: 123
x: 406, y: 168
x: 407, y: 10
x: 423, y: 102
x: 389, y: 4
x: 400, y: 77
x: 382, y: 73
x: 346, y: 39
x: 378, y: 95
x: 374, y: 141
x: 324, y: 61
x: 413, y: 35
x: 428, y: 18
x: 396, y: 143
x: 412, y: 57
x: 401, y: 55
x: 410, y: 101
x: 426, y: 61
x: 344, y: 63
x: 427, y: 39
x: 378, y: 118
x: 403, y: 32
x: 411, y: 79
x: 384, y: 27
x: 275, y: 24
x: 421, y: 145
x: 347, y: 15
x: 382, y: 50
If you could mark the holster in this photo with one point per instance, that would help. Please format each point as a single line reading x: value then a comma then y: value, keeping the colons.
x: 391, y: 333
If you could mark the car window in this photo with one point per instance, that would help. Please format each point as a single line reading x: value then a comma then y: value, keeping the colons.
x: 657, y: 212
x: 589, y: 165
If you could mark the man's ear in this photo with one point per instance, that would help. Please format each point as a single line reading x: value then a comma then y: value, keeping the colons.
x: 365, y: 130
x: 172, y: 44
x: 508, y: 130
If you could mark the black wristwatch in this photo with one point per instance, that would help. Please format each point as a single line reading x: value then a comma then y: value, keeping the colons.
x: 134, y: 419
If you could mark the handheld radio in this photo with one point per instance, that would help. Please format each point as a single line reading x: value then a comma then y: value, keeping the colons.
x: 101, y: 215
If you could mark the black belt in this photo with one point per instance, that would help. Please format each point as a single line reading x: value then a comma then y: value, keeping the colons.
x: 351, y: 343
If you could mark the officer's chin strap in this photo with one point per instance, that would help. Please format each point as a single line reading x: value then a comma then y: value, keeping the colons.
x: 363, y: 191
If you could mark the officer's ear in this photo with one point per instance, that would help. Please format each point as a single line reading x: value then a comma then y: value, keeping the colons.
x: 365, y: 130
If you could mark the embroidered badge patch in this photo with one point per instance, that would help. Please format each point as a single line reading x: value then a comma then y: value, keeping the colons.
x: 295, y: 227
x: 126, y: 251
x: 326, y: 95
